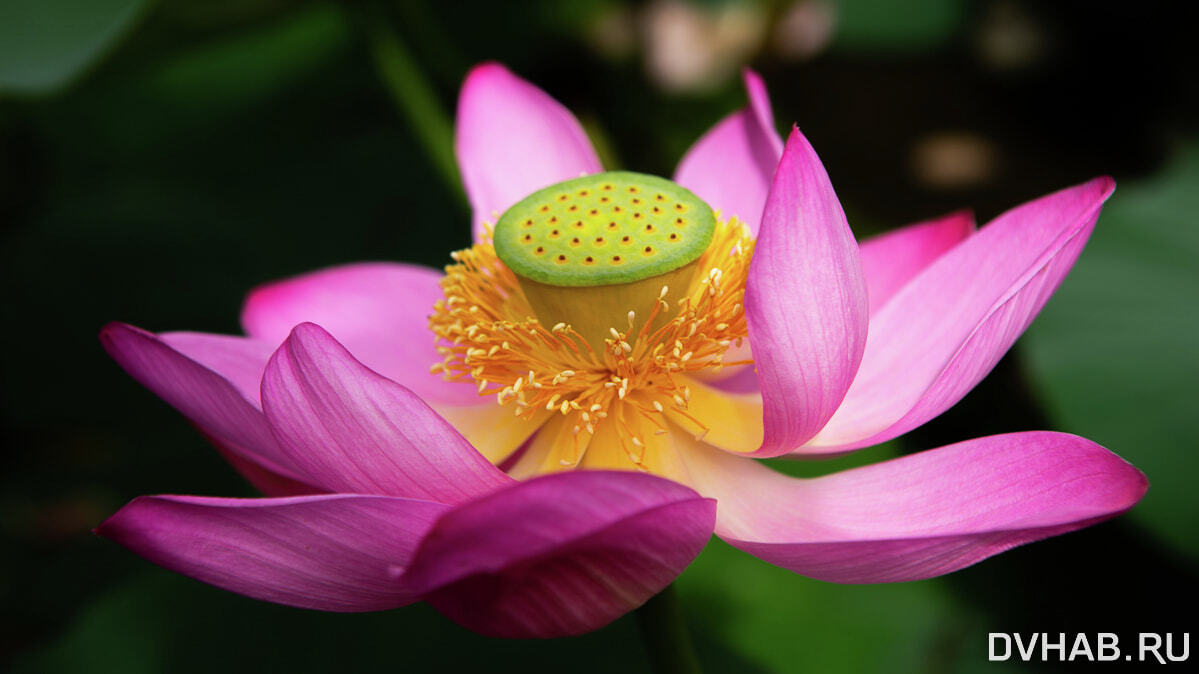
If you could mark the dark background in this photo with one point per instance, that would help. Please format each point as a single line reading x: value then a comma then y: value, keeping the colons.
x: 158, y: 159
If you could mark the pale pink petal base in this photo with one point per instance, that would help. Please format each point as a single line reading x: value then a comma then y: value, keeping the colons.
x: 921, y: 515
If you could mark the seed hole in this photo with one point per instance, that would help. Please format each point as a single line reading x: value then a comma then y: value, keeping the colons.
x: 578, y: 224
x: 539, y: 250
x: 679, y: 222
x: 656, y: 210
x: 573, y: 208
x: 649, y: 250
x: 561, y: 259
x: 612, y: 225
x: 616, y: 259
x: 659, y: 197
x: 588, y: 260
x: 583, y: 193
x: 649, y: 229
x: 575, y: 241
x: 606, y: 188
x: 563, y: 197
x: 674, y: 236
x: 680, y: 208
x: 529, y: 222
x: 599, y: 240
x: 635, y: 201
x: 527, y: 238
x: 555, y: 234
x: 594, y: 211
x: 626, y: 240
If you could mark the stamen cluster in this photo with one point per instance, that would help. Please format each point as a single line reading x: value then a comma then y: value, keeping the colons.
x: 487, y: 332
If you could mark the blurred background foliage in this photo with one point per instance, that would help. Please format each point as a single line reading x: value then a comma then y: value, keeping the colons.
x: 159, y: 158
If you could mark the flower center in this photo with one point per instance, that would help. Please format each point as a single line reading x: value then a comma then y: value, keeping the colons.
x: 600, y: 300
x: 588, y: 251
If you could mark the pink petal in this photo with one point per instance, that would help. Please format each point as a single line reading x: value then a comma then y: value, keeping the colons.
x: 332, y: 552
x: 378, y: 310
x: 561, y: 554
x: 352, y: 430
x: 239, y: 360
x: 805, y: 302
x: 892, y: 259
x: 946, y: 329
x: 225, y: 407
x: 512, y: 140
x: 921, y: 515
x: 731, y: 166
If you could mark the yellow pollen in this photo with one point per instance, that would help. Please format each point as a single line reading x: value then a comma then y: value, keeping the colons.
x: 486, y: 332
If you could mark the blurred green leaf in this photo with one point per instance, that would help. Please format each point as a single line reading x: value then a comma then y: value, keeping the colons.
x: 252, y: 66
x: 1115, y: 352
x: 896, y: 26
x: 788, y: 623
x: 44, y: 44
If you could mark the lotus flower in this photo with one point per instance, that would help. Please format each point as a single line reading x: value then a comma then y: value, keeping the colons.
x: 618, y: 445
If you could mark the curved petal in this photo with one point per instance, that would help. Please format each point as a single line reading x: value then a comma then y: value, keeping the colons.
x: 238, y: 359
x: 331, y: 552
x: 946, y: 329
x: 805, y: 301
x: 561, y: 554
x: 730, y: 166
x: 227, y: 412
x: 378, y: 310
x: 352, y: 430
x: 512, y: 139
x: 892, y: 259
x: 917, y: 516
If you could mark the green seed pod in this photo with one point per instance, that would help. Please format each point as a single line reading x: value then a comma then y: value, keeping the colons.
x: 604, y: 229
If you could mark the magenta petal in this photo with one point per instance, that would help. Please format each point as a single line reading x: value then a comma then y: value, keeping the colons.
x: 378, y: 310
x: 561, y: 554
x: 731, y: 165
x: 332, y: 552
x: 892, y: 259
x: 805, y: 301
x: 513, y: 139
x: 921, y: 515
x: 946, y: 329
x: 225, y: 408
x: 352, y: 430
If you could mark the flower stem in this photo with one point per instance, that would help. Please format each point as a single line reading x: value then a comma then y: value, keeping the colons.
x: 665, y: 634
x: 412, y: 93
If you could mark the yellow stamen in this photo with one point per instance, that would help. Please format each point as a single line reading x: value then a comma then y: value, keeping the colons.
x: 487, y: 332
